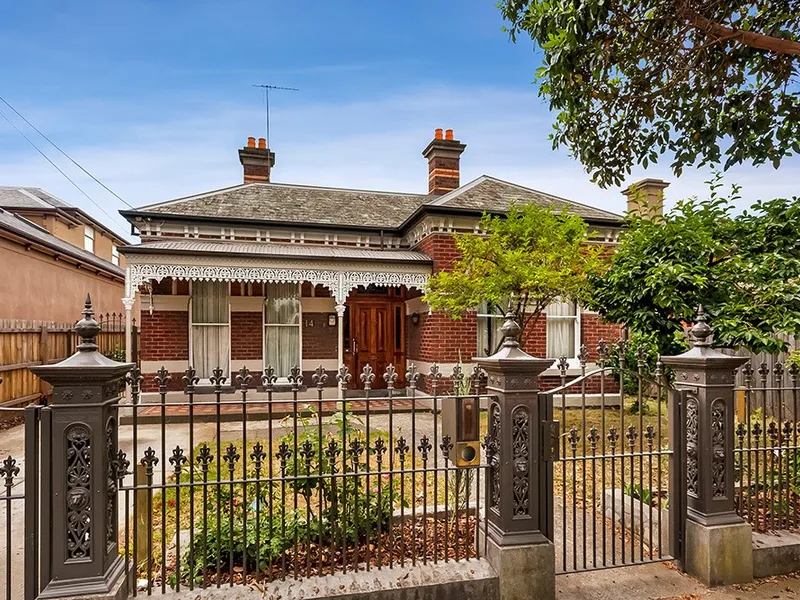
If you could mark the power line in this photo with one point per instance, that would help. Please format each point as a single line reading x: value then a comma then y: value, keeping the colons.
x: 74, y: 162
x: 266, y: 89
x: 54, y: 165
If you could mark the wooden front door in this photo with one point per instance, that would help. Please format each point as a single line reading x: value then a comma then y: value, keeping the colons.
x: 377, y: 338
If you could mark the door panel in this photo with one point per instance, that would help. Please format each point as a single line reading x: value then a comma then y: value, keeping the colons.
x: 373, y: 341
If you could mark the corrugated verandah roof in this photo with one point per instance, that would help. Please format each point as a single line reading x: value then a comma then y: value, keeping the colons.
x: 269, y: 249
x: 277, y: 202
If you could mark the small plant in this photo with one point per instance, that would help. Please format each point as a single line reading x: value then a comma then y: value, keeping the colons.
x: 641, y: 493
x: 117, y: 354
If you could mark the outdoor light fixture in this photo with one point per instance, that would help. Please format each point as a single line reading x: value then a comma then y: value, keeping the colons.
x: 460, y: 421
x: 415, y: 318
x: 332, y: 320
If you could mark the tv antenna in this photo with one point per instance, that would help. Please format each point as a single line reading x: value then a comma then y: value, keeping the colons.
x: 266, y: 89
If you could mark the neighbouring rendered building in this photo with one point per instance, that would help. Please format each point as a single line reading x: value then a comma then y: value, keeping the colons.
x: 278, y: 274
x: 53, y: 254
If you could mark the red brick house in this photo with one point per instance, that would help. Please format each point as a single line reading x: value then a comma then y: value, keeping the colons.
x: 266, y: 273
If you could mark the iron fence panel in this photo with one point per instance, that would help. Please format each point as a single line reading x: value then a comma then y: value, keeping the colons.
x: 258, y: 479
x: 766, y: 453
x: 612, y: 487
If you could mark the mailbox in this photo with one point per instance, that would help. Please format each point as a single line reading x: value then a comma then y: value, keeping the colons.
x: 461, y: 421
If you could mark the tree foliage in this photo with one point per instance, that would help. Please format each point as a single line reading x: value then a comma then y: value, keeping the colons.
x: 709, y: 81
x: 530, y: 258
x: 744, y: 270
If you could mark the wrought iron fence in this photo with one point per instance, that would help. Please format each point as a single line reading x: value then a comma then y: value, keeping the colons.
x: 12, y: 511
x: 767, y: 455
x: 256, y: 484
x: 613, y: 481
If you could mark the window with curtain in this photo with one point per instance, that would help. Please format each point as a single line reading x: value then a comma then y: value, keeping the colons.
x: 282, y: 327
x: 210, y: 328
x: 490, y: 320
x: 562, y: 329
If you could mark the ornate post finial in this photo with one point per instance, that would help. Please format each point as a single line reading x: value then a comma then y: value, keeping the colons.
x: 701, y: 331
x: 87, y: 328
x: 511, y: 331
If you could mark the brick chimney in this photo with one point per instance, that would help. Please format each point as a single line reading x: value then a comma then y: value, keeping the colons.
x: 444, y: 156
x: 646, y: 197
x: 256, y: 161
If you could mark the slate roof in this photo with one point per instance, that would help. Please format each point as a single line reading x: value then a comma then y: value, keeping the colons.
x: 24, y: 228
x: 19, y: 198
x: 267, y: 249
x: 489, y: 193
x: 278, y: 202
x: 297, y: 204
x: 28, y: 197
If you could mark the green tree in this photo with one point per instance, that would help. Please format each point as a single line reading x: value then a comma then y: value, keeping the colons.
x: 743, y: 269
x: 525, y: 260
x: 708, y: 81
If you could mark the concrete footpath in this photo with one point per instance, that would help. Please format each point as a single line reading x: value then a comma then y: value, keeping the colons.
x: 663, y: 582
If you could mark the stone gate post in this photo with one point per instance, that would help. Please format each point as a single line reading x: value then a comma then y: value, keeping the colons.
x: 79, y: 457
x: 718, y: 545
x: 518, y: 487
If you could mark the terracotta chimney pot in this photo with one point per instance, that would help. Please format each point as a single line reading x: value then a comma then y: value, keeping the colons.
x: 438, y: 134
x: 448, y: 135
x: 257, y: 162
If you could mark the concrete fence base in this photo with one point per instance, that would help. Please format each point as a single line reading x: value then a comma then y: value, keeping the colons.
x: 466, y: 580
x: 775, y: 554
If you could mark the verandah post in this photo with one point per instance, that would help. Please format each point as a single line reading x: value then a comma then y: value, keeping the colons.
x: 718, y: 545
x: 518, y: 488
x: 80, y: 470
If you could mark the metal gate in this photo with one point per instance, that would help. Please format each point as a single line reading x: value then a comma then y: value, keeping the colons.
x: 617, y: 480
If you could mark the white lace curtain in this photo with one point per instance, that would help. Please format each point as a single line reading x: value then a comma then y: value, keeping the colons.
x: 282, y: 327
x: 210, y: 327
x: 562, y: 319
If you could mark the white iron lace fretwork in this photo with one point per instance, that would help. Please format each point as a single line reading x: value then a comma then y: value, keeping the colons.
x: 340, y: 283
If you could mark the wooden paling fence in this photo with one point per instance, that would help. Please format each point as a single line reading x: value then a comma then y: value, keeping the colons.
x: 24, y: 344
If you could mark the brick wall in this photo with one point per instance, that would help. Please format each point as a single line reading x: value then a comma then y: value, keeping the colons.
x: 164, y: 335
x: 534, y: 340
x: 413, y: 338
x: 441, y: 247
x: 440, y: 338
x: 319, y: 340
x: 247, y: 331
x: 594, y: 329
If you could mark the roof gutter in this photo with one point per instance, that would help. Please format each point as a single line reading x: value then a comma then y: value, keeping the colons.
x: 22, y: 240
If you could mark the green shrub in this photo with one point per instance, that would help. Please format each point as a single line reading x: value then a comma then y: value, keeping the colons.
x: 117, y: 354
x: 329, y: 510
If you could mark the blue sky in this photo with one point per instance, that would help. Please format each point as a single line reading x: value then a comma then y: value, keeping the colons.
x: 155, y: 97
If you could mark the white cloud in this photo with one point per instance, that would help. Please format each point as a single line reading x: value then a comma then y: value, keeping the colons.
x: 369, y: 143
